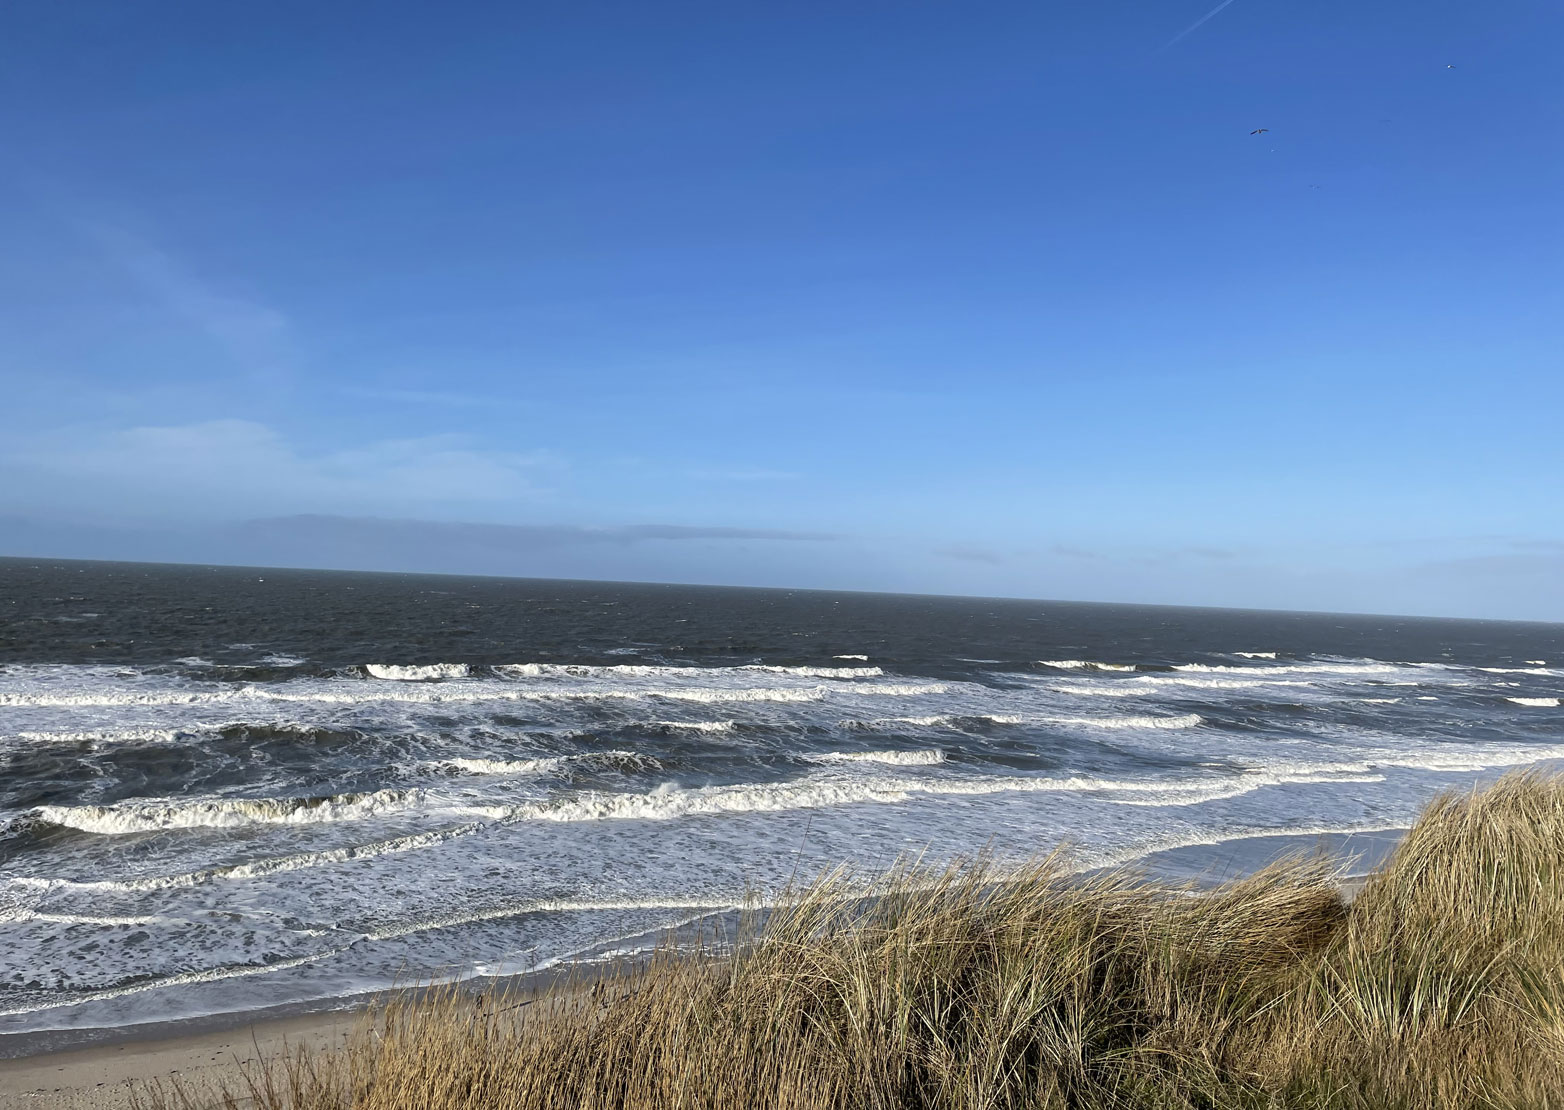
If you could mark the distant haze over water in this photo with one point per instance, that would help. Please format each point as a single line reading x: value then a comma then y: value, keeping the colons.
x: 223, y: 789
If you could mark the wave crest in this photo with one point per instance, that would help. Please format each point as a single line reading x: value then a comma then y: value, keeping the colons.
x: 921, y: 758
x: 1084, y: 665
x: 427, y: 673
x: 226, y: 813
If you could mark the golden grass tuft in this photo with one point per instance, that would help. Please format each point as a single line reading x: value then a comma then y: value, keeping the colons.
x: 1440, y: 986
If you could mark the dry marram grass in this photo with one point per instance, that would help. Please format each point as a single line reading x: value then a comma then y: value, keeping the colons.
x: 1440, y: 985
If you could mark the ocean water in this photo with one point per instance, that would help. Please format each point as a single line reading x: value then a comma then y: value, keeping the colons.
x: 226, y: 789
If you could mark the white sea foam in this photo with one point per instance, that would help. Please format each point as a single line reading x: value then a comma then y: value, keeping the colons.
x: 93, y: 920
x: 617, y: 670
x: 208, y: 975
x: 1380, y: 701
x: 1185, y: 720
x: 1152, y: 680
x: 104, y: 736
x: 1354, y: 669
x: 938, y: 720
x: 862, y: 658
x: 719, y: 696
x: 1536, y: 662
x: 1116, y: 690
x: 1195, y: 793
x: 253, y: 869
x: 1514, y: 670
x: 88, y: 698
x: 1084, y: 665
x: 922, y: 758
x: 220, y: 813
x: 333, y: 693
x: 699, y: 726
x: 706, y: 907
x: 550, y: 764
x: 417, y: 674
x: 505, y: 766
x: 670, y: 801
x: 646, y: 670
x: 1540, y: 703
x: 817, y: 672
x: 1255, y: 654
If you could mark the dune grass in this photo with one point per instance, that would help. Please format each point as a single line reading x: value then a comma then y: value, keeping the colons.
x: 1440, y: 986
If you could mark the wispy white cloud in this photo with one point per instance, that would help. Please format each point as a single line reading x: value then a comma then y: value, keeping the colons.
x: 241, y: 467
x: 256, y: 337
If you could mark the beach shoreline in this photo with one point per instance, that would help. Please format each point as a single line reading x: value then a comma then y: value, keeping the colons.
x: 80, y: 1069
x: 98, y: 1068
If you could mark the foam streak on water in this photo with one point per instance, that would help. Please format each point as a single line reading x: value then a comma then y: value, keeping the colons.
x: 321, y: 782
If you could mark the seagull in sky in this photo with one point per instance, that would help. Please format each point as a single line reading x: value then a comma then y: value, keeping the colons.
x: 1259, y: 131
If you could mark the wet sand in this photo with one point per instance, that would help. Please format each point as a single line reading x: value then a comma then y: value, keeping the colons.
x: 83, y: 1078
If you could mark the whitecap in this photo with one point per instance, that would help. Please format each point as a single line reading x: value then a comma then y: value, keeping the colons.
x: 938, y: 720
x: 151, y: 816
x: 1084, y: 665
x: 550, y: 764
x: 1186, y: 720
x: 417, y: 674
x: 1540, y: 703
x: 919, y: 758
x: 818, y: 672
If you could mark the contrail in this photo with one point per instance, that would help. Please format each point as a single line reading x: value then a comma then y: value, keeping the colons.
x: 1197, y: 23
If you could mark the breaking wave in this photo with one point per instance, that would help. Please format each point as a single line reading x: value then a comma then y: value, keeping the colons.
x: 417, y: 674
x: 1186, y: 720
x: 106, y: 736
x: 945, y: 720
x: 925, y: 758
x: 647, y: 670
x: 438, y: 694
x: 1084, y: 665
x: 616, y: 760
x: 226, y: 813
x: 818, y: 672
x: 1540, y: 703
x: 699, y: 726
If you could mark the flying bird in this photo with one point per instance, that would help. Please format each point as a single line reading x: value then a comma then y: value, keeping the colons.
x: 1259, y: 131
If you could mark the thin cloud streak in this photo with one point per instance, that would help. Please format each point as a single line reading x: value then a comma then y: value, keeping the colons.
x: 257, y: 338
x: 1196, y: 25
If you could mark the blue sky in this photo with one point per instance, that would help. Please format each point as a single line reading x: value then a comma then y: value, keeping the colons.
x: 990, y: 298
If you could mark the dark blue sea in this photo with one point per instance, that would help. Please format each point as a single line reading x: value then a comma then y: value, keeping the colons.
x: 228, y: 789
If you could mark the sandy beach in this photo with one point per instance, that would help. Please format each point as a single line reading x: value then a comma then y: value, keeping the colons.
x: 99, y: 1076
